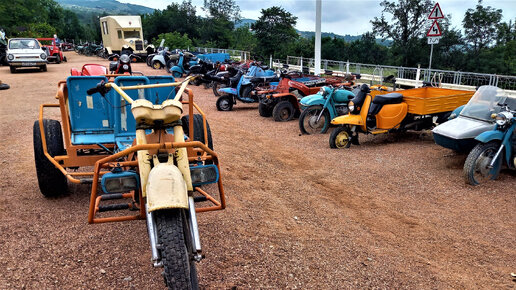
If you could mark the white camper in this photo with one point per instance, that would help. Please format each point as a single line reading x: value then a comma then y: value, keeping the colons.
x: 120, y: 33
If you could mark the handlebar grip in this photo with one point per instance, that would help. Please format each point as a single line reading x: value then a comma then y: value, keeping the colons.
x: 100, y: 88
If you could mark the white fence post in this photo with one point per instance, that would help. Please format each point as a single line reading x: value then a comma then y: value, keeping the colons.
x: 418, y: 75
x: 347, y: 67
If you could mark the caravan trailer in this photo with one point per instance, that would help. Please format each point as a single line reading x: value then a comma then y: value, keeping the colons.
x: 124, y: 33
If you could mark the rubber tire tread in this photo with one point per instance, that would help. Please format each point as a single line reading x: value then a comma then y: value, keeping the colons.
x: 264, y: 110
x: 280, y: 106
x: 333, y: 137
x: 469, y: 164
x: 198, y: 129
x: 303, y: 115
x: 178, y: 267
x: 52, y: 182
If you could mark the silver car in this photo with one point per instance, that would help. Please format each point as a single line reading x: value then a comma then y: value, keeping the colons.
x: 26, y: 52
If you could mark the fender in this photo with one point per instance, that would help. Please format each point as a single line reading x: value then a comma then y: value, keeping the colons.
x: 160, y: 58
x: 177, y: 71
x: 313, y: 100
x: 489, y: 136
x: 348, y: 120
x: 166, y: 188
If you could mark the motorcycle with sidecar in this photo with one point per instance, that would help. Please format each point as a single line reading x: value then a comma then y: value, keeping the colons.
x: 412, y: 109
x: 469, y: 121
x: 495, y: 147
x: 130, y: 141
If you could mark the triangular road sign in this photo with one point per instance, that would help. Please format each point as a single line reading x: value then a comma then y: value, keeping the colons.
x: 434, y: 30
x: 436, y: 13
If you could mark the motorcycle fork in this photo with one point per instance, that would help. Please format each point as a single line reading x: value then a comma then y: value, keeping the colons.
x: 322, y: 110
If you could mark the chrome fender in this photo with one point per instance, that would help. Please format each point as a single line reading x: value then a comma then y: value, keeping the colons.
x: 166, y: 188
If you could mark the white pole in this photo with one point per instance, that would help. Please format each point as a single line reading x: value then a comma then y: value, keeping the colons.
x: 301, y: 64
x: 430, y: 63
x: 270, y: 62
x: 418, y: 75
x: 317, y: 69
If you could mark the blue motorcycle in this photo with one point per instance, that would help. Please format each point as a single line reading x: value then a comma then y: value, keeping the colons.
x: 255, y: 76
x: 185, y: 62
x: 496, y: 146
x: 321, y: 108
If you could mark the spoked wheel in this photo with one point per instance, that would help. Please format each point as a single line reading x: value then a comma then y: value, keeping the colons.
x: 312, y: 121
x: 225, y: 103
x: 341, y: 137
x: 176, y: 252
x: 476, y: 167
x: 283, y: 111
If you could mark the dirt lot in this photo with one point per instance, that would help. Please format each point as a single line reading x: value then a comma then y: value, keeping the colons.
x: 393, y: 212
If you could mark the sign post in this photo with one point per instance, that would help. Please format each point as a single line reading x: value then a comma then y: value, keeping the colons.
x: 434, y: 33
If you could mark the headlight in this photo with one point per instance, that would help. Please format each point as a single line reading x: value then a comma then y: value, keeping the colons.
x: 125, y: 58
x: 204, y: 174
x: 321, y: 91
x: 351, y: 106
x: 120, y: 181
x: 43, y: 56
x: 10, y: 57
x: 502, y: 118
x: 126, y: 67
x: 131, y: 41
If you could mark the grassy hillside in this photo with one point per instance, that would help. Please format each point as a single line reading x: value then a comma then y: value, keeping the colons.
x: 111, y: 7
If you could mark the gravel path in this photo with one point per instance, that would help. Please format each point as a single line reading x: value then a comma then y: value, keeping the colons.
x: 393, y: 212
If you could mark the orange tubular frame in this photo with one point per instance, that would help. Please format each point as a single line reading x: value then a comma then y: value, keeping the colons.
x: 102, y: 163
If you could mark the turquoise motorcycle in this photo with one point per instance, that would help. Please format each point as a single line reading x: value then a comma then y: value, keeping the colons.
x: 321, y: 108
x: 495, y: 146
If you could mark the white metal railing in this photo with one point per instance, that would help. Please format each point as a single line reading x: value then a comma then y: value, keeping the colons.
x: 408, y: 76
x: 240, y: 55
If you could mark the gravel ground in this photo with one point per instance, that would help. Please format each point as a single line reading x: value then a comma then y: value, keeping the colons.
x: 393, y: 212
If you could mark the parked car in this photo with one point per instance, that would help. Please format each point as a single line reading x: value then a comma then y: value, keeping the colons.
x: 26, y: 52
x: 54, y: 53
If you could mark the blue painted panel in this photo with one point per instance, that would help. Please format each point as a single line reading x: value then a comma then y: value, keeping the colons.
x: 490, y: 136
x: 125, y: 123
x: 158, y: 95
x: 89, y: 139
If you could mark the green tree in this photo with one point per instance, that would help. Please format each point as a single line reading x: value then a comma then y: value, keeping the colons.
x: 480, y: 26
x: 225, y: 9
x: 406, y: 27
x: 244, y: 39
x: 174, y: 40
x: 274, y: 31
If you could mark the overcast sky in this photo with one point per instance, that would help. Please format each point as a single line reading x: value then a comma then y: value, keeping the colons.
x: 341, y: 16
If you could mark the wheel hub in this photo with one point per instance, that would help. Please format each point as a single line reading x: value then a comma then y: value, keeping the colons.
x: 342, y: 139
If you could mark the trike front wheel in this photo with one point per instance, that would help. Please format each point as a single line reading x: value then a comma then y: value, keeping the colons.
x: 179, y: 267
x: 476, y: 167
x: 340, y: 137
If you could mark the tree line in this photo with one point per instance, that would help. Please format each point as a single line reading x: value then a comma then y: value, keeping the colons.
x: 483, y: 44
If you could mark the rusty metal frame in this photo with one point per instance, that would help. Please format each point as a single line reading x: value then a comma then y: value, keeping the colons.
x: 102, y: 162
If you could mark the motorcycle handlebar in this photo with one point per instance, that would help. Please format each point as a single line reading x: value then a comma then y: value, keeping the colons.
x: 100, y: 88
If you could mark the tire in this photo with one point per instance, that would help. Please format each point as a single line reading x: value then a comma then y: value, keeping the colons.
x: 198, y: 129
x: 156, y: 65
x: 177, y: 74
x: 44, y: 67
x: 283, y: 111
x: 340, y: 137
x: 65, y: 59
x: 58, y: 58
x: 170, y: 64
x: 475, y: 168
x: 216, y: 86
x: 149, y: 60
x: 173, y: 236
x: 264, y: 110
x: 4, y: 86
x: 51, y: 180
x: 246, y: 91
x: 308, y: 123
x: 225, y: 103
x: 12, y: 69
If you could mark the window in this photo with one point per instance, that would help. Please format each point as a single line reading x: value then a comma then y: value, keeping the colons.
x: 119, y: 34
x: 104, y: 27
x: 132, y: 34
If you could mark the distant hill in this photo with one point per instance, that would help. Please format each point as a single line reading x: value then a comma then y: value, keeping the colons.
x: 111, y: 7
x: 310, y: 34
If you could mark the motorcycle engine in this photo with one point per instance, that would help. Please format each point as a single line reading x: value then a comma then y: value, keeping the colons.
x: 341, y: 110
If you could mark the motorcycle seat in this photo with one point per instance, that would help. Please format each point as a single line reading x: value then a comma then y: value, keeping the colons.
x: 392, y: 98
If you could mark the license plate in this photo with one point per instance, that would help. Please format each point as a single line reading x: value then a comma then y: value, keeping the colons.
x: 28, y: 64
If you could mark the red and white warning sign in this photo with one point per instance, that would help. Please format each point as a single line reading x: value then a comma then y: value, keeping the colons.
x: 436, y: 13
x: 434, y: 30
